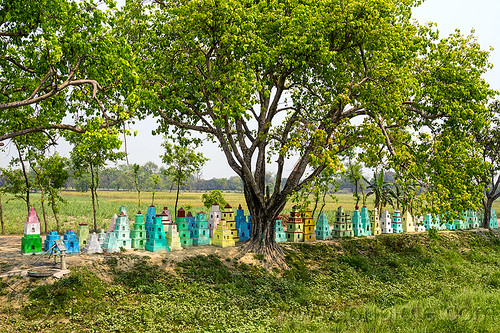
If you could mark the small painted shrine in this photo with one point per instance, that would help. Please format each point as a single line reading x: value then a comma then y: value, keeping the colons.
x: 93, y: 245
x: 242, y: 226
x: 201, y: 232
x: 365, y: 221
x: 166, y: 218
x: 460, y: 222
x: 397, y: 223
x: 222, y: 235
x: 150, y: 215
x: 191, y: 221
x: 122, y: 231
x: 112, y: 224
x: 408, y: 224
x: 214, y: 218
x: 110, y: 244
x: 493, y: 219
x: 377, y: 230
x: 343, y: 224
x: 432, y: 222
x: 183, y: 228
x: 82, y: 233
x: 228, y: 215
x: 157, y: 240
x: 279, y: 232
x: 31, y: 241
x: 309, y: 234
x: 170, y: 229
x: 357, y: 228
x: 323, y: 228
x: 295, y: 226
x: 71, y: 242
x: 386, y: 223
x: 472, y: 219
x: 50, y: 240
x: 101, y: 237
x: 138, y: 232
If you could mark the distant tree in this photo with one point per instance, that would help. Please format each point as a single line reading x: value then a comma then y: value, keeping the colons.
x: 136, y: 168
x: 182, y: 162
x: 214, y: 196
x: 353, y: 174
x: 91, y: 151
x: 54, y: 175
x: 82, y: 181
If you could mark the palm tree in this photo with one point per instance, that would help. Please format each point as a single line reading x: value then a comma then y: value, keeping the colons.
x: 381, y: 189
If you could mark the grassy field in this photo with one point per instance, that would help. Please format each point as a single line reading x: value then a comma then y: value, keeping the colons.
x: 78, y: 207
x: 394, y: 283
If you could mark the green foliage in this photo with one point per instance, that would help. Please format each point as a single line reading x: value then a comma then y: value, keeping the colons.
x: 392, y: 283
x: 214, y: 196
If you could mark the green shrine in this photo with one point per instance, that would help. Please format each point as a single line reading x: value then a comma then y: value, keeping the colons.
x: 82, y: 233
x: 170, y: 229
x: 343, y: 224
x: 157, y: 241
x: 183, y: 228
x: 31, y: 241
x: 138, y: 232
x: 295, y: 227
x: 461, y: 222
x: 323, y: 228
x: 472, y: 219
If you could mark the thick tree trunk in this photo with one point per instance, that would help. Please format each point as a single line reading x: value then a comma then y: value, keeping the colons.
x: 1, y: 216
x: 487, y: 204
x: 262, y: 238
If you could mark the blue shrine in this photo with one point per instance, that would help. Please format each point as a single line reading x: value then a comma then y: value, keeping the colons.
x: 151, y: 214
x: 71, y: 242
x: 191, y: 221
x: 357, y: 228
x: 50, y: 240
x: 242, y: 226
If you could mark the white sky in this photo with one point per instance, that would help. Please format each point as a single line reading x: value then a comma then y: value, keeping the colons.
x: 480, y: 15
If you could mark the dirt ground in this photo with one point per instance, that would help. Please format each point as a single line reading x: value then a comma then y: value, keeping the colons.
x: 12, y: 260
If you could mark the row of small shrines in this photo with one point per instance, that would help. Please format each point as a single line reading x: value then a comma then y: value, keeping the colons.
x: 224, y: 228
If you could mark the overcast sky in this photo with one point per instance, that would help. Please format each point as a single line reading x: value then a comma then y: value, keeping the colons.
x: 465, y: 15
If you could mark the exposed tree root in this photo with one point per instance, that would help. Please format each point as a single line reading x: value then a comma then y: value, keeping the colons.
x: 274, y: 255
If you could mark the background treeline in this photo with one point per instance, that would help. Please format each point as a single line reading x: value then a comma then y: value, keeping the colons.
x: 122, y: 178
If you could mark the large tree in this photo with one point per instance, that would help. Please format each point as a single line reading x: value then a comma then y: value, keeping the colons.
x: 297, y: 83
x: 60, y: 58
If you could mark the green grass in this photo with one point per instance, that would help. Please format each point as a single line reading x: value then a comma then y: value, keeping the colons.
x: 406, y: 283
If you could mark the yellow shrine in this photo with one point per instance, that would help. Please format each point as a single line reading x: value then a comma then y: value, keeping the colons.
x: 222, y: 235
x: 228, y: 215
x: 309, y: 233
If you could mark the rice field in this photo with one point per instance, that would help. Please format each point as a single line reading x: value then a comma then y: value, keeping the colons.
x: 78, y: 207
